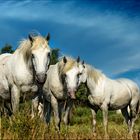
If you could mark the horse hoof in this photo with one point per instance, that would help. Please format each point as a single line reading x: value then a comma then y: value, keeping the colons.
x: 130, y: 136
x: 106, y: 136
x: 94, y: 134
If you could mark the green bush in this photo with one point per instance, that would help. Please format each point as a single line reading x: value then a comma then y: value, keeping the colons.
x: 82, y: 94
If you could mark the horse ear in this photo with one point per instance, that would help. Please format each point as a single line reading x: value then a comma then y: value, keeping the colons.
x: 78, y: 59
x: 30, y: 37
x: 48, y: 37
x: 83, y: 63
x: 64, y: 59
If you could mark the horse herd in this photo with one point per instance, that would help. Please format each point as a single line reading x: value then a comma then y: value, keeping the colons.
x: 27, y: 72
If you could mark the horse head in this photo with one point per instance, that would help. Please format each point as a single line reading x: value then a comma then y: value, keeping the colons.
x: 70, y: 75
x: 40, y: 56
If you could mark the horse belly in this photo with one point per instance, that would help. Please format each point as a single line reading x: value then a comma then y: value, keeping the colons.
x: 119, y: 101
x: 117, y: 106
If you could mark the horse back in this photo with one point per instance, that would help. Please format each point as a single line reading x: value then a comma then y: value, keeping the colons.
x: 4, y: 58
x: 132, y: 86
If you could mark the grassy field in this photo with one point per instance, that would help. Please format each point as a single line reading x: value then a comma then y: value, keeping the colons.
x: 21, y: 126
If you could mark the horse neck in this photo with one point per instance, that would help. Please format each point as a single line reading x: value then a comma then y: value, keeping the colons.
x: 54, y: 73
x: 94, y: 77
x: 59, y: 73
x: 20, y: 60
x: 61, y: 82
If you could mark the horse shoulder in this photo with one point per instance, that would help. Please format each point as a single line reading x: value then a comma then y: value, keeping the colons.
x: 19, y: 70
x: 98, y: 93
x: 4, y: 58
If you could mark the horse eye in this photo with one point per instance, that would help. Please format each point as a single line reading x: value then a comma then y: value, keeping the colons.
x: 33, y: 56
x: 64, y: 76
x: 79, y: 74
x: 49, y: 54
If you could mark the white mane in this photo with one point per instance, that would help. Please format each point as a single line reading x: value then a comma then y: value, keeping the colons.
x: 94, y: 73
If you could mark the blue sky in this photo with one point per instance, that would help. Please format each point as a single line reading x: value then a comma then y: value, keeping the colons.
x: 105, y: 33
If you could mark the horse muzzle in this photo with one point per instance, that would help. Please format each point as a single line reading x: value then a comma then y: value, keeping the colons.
x: 41, y: 78
x: 71, y: 94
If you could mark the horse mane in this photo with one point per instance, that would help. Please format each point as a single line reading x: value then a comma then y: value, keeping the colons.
x: 94, y: 73
x: 24, y: 48
x: 64, y: 67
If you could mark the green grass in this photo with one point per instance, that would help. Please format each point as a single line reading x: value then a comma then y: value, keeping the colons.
x: 21, y: 126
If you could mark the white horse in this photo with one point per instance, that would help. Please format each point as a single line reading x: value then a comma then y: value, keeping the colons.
x: 25, y: 69
x: 5, y: 106
x: 3, y: 56
x: 60, y: 86
x: 107, y: 94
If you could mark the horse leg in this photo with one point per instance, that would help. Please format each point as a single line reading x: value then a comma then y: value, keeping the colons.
x: 60, y: 108
x: 15, y: 97
x: 134, y: 105
x: 47, y: 112
x: 1, y: 107
x: 91, y: 100
x: 104, y: 108
x: 94, y: 112
x: 37, y: 108
x: 69, y: 105
x: 126, y: 116
x: 55, y: 107
x: 40, y: 110
x: 35, y: 102
x: 7, y: 107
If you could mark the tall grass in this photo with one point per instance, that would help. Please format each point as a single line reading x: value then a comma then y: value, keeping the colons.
x: 21, y: 126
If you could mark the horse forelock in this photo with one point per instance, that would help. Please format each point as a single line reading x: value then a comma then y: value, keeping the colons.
x: 40, y: 42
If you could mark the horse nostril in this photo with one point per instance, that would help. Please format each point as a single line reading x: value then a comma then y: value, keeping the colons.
x: 41, y: 77
x: 72, y: 89
x: 71, y: 93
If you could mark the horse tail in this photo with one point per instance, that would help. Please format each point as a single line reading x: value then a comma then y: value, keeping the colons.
x: 138, y: 106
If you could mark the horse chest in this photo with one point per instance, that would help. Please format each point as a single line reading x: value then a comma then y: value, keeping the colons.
x: 22, y: 75
x: 56, y: 87
x: 29, y: 88
x: 97, y: 96
x: 23, y: 79
x: 28, y: 92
